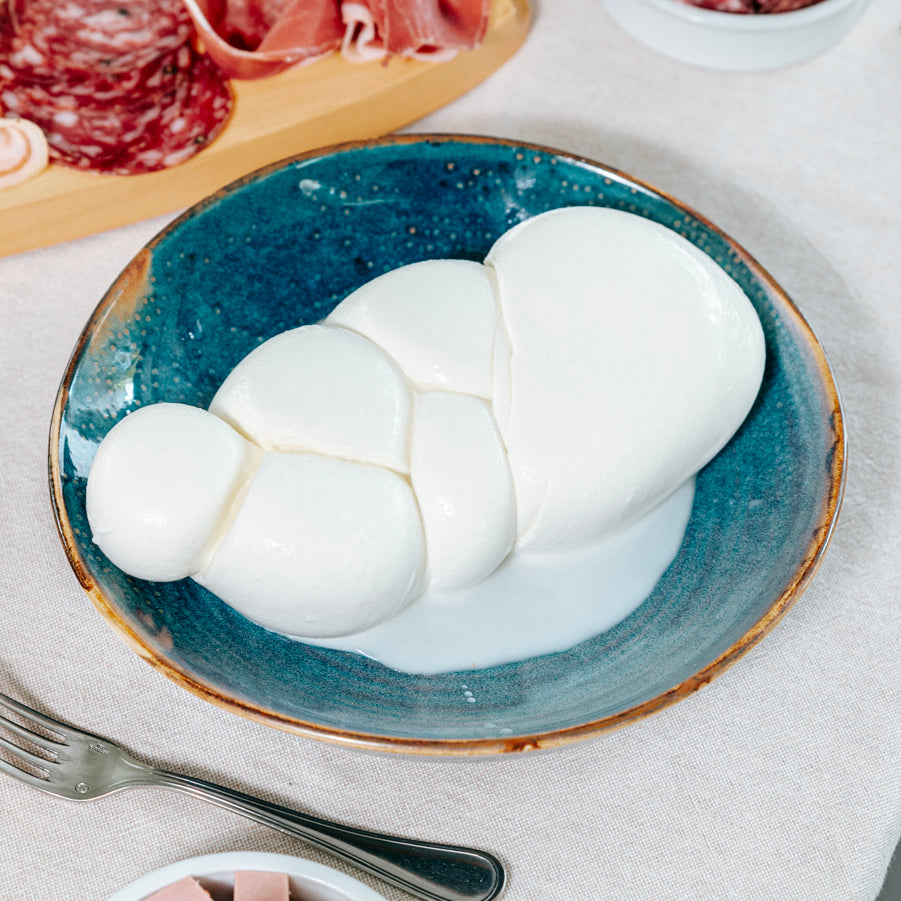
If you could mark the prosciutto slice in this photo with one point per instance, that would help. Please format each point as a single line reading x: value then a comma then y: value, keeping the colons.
x: 418, y: 27
x: 256, y: 38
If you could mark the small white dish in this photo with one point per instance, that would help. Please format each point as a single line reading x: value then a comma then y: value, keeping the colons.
x: 216, y: 872
x: 731, y: 41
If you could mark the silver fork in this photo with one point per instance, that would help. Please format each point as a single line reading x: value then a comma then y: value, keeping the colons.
x: 80, y: 766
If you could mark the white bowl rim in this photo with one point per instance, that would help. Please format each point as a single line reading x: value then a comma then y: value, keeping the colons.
x: 740, y: 22
x: 228, y: 862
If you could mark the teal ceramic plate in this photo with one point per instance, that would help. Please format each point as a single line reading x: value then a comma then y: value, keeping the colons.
x: 280, y: 248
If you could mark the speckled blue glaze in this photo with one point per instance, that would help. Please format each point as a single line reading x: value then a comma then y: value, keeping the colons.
x: 280, y: 248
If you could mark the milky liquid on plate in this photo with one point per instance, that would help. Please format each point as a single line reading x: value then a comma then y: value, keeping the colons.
x: 532, y: 604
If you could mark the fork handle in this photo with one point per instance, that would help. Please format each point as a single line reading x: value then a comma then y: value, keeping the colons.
x: 427, y: 870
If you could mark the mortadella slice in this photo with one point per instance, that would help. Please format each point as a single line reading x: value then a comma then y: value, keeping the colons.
x: 253, y: 886
x: 187, y: 889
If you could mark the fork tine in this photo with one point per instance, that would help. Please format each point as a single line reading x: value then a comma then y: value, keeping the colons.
x: 26, y: 755
x: 48, y: 744
x: 33, y: 716
x: 22, y: 776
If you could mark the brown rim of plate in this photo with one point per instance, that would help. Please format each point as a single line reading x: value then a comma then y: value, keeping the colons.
x: 472, y: 746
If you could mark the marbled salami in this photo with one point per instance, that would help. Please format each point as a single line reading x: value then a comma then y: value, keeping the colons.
x: 157, y: 117
x: 116, y: 87
x: 45, y: 37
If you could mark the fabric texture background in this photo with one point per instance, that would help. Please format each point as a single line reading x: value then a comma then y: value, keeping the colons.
x: 779, y: 780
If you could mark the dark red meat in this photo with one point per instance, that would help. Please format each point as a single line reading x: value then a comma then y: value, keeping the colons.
x: 783, y: 6
x: 46, y: 36
x: 724, y: 6
x: 751, y: 6
x: 117, y: 87
x: 153, y: 118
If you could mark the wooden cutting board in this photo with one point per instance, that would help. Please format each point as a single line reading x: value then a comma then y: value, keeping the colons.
x: 327, y: 102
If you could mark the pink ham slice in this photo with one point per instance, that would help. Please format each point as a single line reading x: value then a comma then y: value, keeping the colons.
x: 251, y: 886
x: 252, y: 39
x: 187, y: 889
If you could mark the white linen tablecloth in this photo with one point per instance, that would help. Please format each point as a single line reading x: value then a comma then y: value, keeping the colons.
x: 782, y: 778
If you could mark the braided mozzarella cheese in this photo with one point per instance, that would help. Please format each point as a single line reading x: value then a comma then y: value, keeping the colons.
x: 444, y: 415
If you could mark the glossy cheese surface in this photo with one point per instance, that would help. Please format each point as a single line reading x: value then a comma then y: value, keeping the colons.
x: 462, y: 481
x: 436, y: 319
x: 633, y: 358
x: 323, y: 390
x: 161, y: 486
x: 320, y: 547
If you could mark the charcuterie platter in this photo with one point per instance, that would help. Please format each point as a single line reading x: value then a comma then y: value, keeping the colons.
x: 329, y: 101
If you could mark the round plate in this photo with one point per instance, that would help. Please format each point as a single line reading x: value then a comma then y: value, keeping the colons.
x: 733, y: 41
x: 216, y: 873
x: 282, y: 247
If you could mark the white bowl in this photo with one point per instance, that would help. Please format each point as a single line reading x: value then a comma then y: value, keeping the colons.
x: 733, y: 41
x: 308, y: 880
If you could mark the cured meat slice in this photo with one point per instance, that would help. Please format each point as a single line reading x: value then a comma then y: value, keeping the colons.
x: 44, y: 37
x: 724, y: 6
x: 192, y: 113
x: 186, y: 889
x: 257, y: 38
x: 360, y: 43
x: 117, y: 87
x: 416, y: 27
x: 23, y: 151
x: 783, y: 6
x: 751, y: 6
x: 255, y: 886
x: 153, y: 118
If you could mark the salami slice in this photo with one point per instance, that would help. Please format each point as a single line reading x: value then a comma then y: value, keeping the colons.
x: 192, y: 114
x: 128, y: 123
x: 45, y: 37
